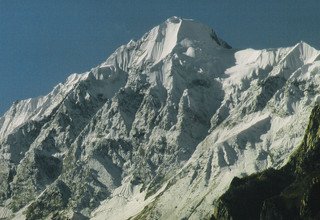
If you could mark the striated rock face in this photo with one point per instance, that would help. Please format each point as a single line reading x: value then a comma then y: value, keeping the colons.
x: 158, y: 130
x: 292, y: 192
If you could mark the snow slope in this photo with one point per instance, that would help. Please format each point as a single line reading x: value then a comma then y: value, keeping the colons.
x: 159, y: 129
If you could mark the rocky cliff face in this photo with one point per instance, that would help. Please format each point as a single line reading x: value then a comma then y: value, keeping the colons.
x: 292, y: 192
x: 158, y: 130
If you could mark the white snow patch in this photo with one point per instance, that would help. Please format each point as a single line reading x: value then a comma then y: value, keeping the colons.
x: 127, y: 201
x: 190, y: 52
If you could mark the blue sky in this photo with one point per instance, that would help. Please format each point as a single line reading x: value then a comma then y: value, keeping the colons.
x: 44, y: 41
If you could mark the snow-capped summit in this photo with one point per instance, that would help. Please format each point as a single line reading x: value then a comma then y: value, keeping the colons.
x: 177, y: 32
x: 158, y: 130
x: 175, y: 35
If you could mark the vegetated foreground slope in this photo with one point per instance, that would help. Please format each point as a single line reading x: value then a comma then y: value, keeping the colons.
x: 158, y: 130
x: 292, y: 192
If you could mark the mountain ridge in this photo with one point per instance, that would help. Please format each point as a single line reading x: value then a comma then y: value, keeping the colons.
x: 290, y: 192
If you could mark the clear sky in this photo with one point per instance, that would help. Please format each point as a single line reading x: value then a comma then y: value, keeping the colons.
x: 44, y: 41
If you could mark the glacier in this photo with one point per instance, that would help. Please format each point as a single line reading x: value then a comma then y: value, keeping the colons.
x: 158, y: 130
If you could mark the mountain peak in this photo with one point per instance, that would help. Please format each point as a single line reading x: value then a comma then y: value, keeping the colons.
x: 302, y: 53
x: 175, y: 31
x: 175, y: 19
x: 196, y: 31
x: 174, y: 35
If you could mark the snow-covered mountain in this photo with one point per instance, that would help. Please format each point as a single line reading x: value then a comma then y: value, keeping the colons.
x: 158, y: 130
